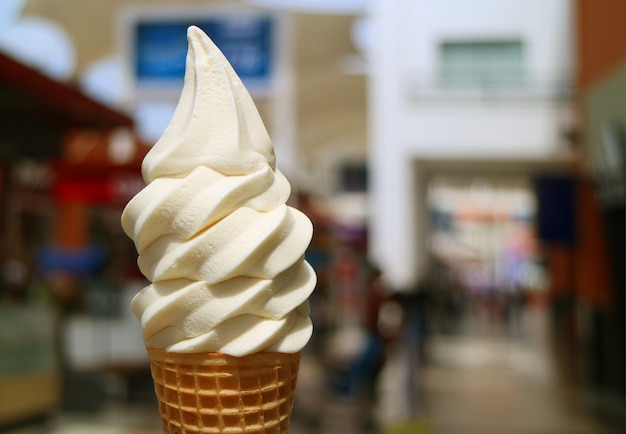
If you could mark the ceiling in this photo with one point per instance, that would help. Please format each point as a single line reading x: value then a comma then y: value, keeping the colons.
x: 330, y: 105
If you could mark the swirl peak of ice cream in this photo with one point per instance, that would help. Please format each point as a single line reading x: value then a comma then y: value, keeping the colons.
x: 223, y: 251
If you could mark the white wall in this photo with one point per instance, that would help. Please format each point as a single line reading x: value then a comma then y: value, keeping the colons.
x: 421, y: 25
x: 408, y: 126
x: 475, y: 132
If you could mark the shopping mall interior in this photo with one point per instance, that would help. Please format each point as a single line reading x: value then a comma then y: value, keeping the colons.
x: 463, y: 165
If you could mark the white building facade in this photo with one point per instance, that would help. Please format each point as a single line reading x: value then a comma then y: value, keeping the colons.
x: 470, y: 85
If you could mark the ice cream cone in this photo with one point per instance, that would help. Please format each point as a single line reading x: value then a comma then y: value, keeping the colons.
x: 219, y: 393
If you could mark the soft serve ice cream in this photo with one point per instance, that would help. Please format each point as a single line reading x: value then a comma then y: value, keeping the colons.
x: 223, y: 251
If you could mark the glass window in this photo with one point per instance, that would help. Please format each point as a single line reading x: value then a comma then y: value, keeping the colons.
x: 484, y: 62
x: 353, y: 177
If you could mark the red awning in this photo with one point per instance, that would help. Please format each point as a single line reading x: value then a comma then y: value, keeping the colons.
x: 35, y: 110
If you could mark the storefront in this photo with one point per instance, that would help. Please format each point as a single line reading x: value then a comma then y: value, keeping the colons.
x: 60, y: 153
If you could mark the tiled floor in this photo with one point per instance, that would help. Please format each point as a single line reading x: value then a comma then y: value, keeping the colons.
x: 490, y: 381
x: 475, y: 383
x: 114, y: 419
x: 491, y: 386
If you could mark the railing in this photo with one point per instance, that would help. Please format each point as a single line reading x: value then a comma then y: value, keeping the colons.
x: 488, y: 91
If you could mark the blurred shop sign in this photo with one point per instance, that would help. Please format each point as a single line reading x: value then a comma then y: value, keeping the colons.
x: 99, y: 187
x: 159, y: 48
x: 98, y: 167
x: 556, y: 208
x: 81, y: 261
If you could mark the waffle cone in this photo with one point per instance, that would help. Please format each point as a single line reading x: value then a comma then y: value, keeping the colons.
x: 218, y: 393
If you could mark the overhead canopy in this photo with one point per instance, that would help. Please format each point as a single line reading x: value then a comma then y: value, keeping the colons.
x: 36, y: 110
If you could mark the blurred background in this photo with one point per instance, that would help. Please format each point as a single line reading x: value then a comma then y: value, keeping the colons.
x: 462, y: 162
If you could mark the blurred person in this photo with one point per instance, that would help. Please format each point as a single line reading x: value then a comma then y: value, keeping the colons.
x: 347, y: 287
x: 381, y: 321
x: 14, y: 279
x: 319, y: 256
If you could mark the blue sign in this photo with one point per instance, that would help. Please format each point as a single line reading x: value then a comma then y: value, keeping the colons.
x: 246, y: 41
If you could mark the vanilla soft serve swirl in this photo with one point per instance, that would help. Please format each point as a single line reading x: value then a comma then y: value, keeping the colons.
x: 223, y: 251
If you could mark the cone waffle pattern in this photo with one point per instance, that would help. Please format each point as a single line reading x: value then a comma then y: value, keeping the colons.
x: 218, y: 393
